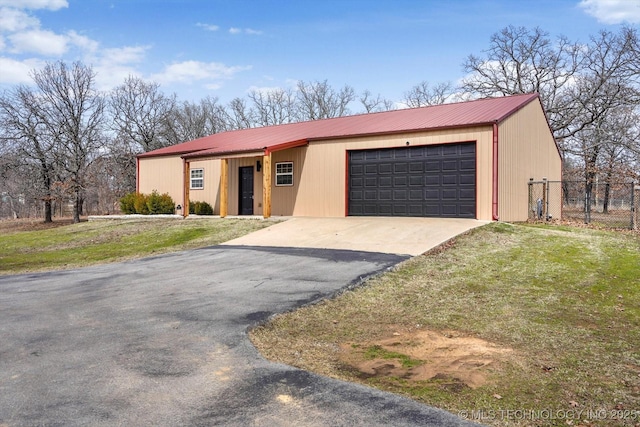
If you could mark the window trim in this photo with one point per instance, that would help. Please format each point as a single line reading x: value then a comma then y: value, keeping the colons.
x: 283, y: 174
x: 193, y: 179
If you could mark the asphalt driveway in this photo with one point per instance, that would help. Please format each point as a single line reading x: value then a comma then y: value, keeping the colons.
x: 163, y: 341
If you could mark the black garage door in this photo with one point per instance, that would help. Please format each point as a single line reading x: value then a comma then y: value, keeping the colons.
x: 427, y: 181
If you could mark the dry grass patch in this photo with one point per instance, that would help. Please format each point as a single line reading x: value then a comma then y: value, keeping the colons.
x: 509, y: 317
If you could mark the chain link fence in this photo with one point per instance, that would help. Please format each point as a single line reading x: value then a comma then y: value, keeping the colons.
x: 613, y: 205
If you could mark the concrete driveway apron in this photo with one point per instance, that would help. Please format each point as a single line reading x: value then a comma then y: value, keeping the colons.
x: 163, y: 341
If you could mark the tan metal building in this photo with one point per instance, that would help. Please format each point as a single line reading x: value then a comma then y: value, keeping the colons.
x: 466, y: 160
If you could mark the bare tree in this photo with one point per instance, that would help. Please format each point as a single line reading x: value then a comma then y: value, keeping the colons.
x: 27, y: 140
x: 423, y: 94
x: 73, y: 112
x: 240, y: 115
x: 318, y: 100
x: 191, y: 120
x: 110, y: 176
x: 141, y: 111
x: 273, y: 107
x: 376, y: 104
x: 577, y: 83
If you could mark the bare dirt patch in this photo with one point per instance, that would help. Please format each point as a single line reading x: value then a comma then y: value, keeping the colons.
x: 32, y: 224
x: 419, y: 356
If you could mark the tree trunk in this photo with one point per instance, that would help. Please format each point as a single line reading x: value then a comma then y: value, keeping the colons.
x: 48, y: 211
x: 77, y: 207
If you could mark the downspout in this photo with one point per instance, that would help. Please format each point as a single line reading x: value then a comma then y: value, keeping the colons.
x: 137, y: 174
x: 494, y: 191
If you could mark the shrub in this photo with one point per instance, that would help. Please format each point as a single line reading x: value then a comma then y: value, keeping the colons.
x: 160, y: 204
x: 200, y: 208
x: 140, y: 204
x: 127, y: 204
x: 154, y: 203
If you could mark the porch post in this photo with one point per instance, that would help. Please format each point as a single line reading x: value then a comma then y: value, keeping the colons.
x: 224, y: 187
x: 187, y: 186
x: 266, y: 185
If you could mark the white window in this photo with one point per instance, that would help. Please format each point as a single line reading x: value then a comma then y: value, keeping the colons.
x: 284, y: 173
x: 197, y: 179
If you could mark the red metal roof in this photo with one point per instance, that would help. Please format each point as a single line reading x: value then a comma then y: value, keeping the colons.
x: 461, y: 114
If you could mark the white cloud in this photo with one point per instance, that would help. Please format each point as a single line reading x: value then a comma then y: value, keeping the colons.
x: 16, y: 72
x: 189, y: 71
x: 250, y: 31
x: 39, y: 41
x: 124, y: 55
x: 35, y: 4
x: 113, y: 65
x: 208, y: 27
x: 16, y: 20
x: 613, y: 11
x: 83, y: 42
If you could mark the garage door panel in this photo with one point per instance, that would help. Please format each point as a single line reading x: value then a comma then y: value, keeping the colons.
x: 467, y: 165
x: 449, y: 165
x: 432, y: 180
x: 399, y: 194
x: 467, y: 179
x: 450, y: 179
x: 384, y: 195
x: 416, y: 167
x: 385, y: 181
x: 383, y: 210
x: 433, y: 195
x: 416, y: 180
x: 467, y: 150
x: 400, y: 210
x: 416, y: 195
x: 400, y: 181
x: 436, y: 181
x: 449, y: 194
x: 400, y: 153
x: 467, y: 194
x: 385, y: 168
x: 433, y: 166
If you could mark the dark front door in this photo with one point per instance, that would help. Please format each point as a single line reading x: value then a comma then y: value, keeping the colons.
x: 245, y: 204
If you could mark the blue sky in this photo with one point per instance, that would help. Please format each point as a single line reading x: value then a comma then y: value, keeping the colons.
x: 224, y: 48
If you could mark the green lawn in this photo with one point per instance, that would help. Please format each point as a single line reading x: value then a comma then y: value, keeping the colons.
x: 556, y: 309
x: 87, y: 243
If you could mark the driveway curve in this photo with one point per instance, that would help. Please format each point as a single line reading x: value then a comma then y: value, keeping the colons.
x: 163, y: 341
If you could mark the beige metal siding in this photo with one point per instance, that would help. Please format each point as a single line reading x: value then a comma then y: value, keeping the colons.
x: 163, y: 174
x: 320, y: 188
x: 211, y: 191
x: 284, y: 198
x: 526, y: 150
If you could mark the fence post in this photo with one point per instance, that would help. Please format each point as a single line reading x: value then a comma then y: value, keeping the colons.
x: 545, y: 201
x: 548, y: 216
x: 587, y: 206
x: 635, y: 201
x: 530, y: 198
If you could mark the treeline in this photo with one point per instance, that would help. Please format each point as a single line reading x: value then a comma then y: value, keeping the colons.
x: 61, y: 139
